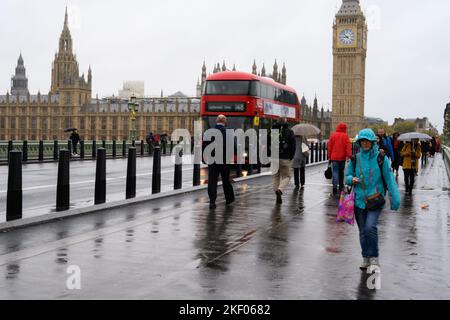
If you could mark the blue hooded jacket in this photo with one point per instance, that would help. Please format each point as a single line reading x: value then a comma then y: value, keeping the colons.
x: 371, y: 172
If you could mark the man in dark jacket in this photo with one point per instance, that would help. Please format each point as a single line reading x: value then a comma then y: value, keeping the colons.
x: 223, y: 169
x: 75, y: 137
x: 286, y: 153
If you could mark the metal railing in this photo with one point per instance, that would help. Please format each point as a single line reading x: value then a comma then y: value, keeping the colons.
x: 47, y: 150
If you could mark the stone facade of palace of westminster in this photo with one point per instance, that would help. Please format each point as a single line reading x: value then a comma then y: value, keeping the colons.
x: 69, y: 103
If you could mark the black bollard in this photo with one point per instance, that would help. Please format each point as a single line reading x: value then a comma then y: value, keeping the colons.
x: 25, y: 151
x: 55, y: 150
x: 156, y: 176
x: 171, y: 146
x: 316, y: 149
x: 94, y: 149
x: 238, y: 170
x: 326, y: 151
x: 69, y: 147
x: 14, y: 193
x: 320, y: 152
x: 312, y: 152
x: 197, y: 160
x: 10, y: 148
x: 63, y: 186
x: 131, y: 173
x: 104, y: 144
x: 133, y: 143
x: 114, y: 149
x: 164, y: 145
x: 142, y: 147
x: 124, y: 149
x: 178, y: 169
x: 100, y: 177
x: 81, y: 149
x: 41, y: 150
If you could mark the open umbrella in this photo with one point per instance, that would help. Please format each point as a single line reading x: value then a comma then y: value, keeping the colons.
x: 70, y: 129
x: 305, y: 129
x: 414, y: 135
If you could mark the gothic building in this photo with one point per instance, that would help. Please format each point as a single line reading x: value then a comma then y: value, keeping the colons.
x: 312, y: 115
x: 277, y: 76
x: 69, y: 103
x: 349, y: 66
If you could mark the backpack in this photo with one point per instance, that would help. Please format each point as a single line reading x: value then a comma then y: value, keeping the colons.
x: 380, y: 161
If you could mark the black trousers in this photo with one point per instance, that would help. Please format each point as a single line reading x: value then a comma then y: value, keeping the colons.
x: 410, y: 175
x: 424, y: 158
x: 74, y: 145
x: 301, y: 172
x: 213, y: 177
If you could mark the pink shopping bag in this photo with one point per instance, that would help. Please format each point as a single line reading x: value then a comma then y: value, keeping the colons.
x: 346, y: 208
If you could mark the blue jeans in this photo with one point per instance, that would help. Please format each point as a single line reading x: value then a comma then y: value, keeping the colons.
x: 368, y: 232
x: 338, y: 168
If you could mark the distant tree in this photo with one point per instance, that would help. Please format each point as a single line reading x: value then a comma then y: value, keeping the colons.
x: 387, y: 128
x: 405, y: 127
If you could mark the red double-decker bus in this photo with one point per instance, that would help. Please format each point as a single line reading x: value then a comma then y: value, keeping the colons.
x: 247, y: 100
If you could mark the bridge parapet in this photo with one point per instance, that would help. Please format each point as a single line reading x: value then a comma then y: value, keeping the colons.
x: 446, y: 156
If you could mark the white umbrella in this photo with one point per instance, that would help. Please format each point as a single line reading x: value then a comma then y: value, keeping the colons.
x: 305, y: 129
x: 414, y: 135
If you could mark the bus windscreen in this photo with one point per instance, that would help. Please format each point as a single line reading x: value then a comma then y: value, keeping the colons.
x: 228, y: 88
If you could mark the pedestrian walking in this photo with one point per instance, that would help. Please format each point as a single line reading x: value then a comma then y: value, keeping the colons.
x: 299, y: 161
x: 386, y: 141
x: 150, y: 141
x: 286, y: 153
x: 425, y: 147
x: 164, y: 143
x: 411, y: 154
x: 222, y: 169
x: 433, y: 147
x: 370, y: 174
x: 396, y: 148
x: 438, y: 145
x: 75, y: 138
x: 339, y: 151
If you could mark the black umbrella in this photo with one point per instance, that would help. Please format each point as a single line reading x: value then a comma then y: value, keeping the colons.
x: 70, y: 129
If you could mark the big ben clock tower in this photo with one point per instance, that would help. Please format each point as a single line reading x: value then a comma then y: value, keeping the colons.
x: 349, y: 66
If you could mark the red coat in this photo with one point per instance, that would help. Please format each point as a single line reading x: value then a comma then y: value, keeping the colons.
x: 339, y: 147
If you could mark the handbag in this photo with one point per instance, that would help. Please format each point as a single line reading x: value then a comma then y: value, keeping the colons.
x: 374, y: 202
x: 328, y: 173
x: 346, y: 207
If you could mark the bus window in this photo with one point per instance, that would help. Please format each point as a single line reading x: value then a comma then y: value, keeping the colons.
x: 255, y: 89
x: 227, y: 87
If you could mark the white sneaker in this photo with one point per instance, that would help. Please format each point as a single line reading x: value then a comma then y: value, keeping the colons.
x: 374, y: 262
x: 365, y: 264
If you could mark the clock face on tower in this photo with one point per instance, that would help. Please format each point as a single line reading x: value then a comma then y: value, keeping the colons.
x: 347, y: 37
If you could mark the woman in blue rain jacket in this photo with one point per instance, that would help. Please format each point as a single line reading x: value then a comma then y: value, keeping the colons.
x: 370, y: 161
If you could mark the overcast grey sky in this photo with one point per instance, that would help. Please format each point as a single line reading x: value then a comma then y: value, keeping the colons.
x: 164, y: 44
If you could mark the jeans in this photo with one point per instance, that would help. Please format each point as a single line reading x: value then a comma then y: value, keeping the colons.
x: 410, y: 175
x: 338, y: 174
x: 368, y: 232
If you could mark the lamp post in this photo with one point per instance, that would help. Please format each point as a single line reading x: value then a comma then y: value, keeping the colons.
x: 132, y: 108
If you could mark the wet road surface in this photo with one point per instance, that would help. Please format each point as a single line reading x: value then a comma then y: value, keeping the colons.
x: 176, y: 248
